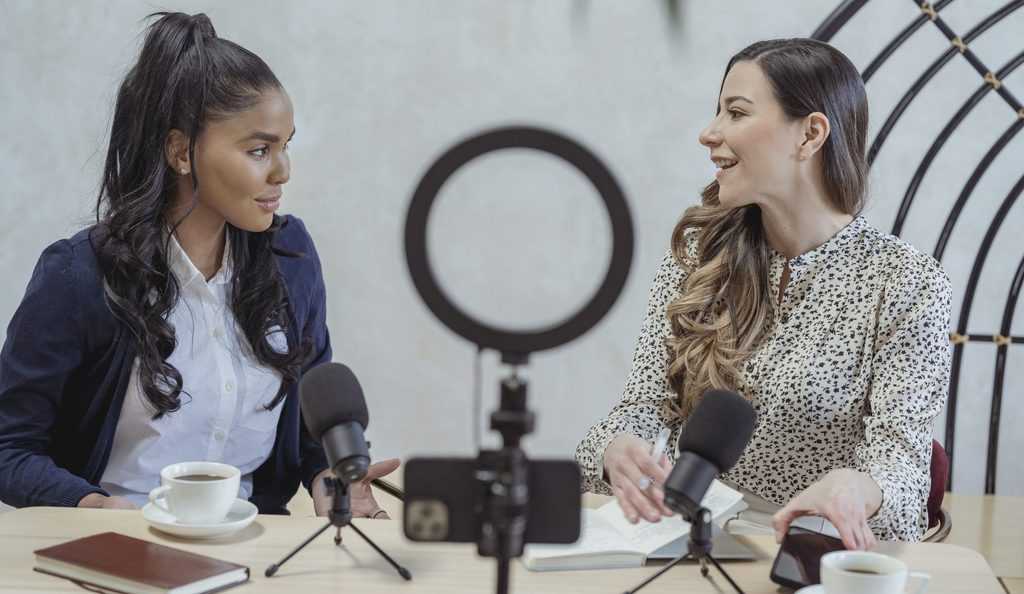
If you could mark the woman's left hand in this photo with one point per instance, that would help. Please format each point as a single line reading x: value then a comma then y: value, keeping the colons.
x: 361, y: 499
x: 845, y: 497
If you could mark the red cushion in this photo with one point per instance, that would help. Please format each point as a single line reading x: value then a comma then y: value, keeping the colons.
x: 940, y: 474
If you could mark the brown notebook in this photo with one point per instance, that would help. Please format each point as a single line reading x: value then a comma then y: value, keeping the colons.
x: 120, y: 563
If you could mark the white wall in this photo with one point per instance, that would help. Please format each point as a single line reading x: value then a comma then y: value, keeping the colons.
x: 380, y: 88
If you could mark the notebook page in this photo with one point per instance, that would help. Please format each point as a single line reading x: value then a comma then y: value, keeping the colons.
x: 721, y: 500
x: 597, y: 536
x: 644, y: 536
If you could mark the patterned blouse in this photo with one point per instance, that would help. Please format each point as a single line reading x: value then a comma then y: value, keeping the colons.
x: 851, y: 373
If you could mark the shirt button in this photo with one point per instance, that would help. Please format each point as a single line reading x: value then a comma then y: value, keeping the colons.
x: 228, y: 387
x: 218, y: 332
x: 219, y: 435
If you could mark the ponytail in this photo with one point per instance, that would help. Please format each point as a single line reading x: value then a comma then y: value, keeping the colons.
x: 185, y: 76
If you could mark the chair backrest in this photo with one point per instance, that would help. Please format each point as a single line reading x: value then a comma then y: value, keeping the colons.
x: 940, y: 476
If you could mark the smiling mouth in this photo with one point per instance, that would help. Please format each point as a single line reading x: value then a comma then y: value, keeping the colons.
x: 724, y: 165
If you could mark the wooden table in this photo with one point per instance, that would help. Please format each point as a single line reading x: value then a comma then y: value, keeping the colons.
x: 355, y: 567
x: 993, y: 525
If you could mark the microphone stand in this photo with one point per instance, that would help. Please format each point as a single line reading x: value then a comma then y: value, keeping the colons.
x: 339, y: 517
x: 699, y: 547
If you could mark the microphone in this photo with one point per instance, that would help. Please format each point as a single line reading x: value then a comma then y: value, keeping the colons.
x: 716, y: 434
x: 334, y: 410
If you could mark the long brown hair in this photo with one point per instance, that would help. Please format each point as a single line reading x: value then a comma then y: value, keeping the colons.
x: 720, y: 316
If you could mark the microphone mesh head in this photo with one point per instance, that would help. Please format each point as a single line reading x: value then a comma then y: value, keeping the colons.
x: 719, y: 428
x: 330, y: 395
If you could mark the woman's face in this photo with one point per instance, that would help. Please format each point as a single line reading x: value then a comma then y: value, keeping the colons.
x: 242, y: 163
x: 752, y: 142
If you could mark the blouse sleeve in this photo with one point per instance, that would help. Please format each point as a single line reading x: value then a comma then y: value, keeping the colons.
x: 911, y: 367
x: 641, y: 411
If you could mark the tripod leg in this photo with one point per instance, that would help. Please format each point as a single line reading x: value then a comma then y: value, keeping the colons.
x: 401, y: 570
x: 726, y: 575
x: 337, y: 537
x: 674, y: 562
x: 273, y: 568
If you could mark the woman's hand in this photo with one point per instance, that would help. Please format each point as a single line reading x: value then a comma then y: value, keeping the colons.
x: 99, y: 500
x: 361, y: 499
x: 846, y: 497
x: 636, y: 478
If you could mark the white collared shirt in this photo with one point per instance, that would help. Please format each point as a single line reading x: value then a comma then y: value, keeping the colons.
x: 222, y: 416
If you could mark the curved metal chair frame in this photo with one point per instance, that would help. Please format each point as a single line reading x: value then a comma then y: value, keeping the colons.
x: 992, y: 81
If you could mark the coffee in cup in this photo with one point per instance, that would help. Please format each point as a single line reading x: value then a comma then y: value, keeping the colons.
x: 863, y: 572
x: 197, y: 492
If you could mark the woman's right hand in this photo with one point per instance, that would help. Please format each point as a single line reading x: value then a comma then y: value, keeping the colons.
x: 629, y: 463
x: 99, y: 500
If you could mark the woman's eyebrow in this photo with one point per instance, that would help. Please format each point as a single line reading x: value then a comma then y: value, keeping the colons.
x: 733, y: 98
x: 267, y: 136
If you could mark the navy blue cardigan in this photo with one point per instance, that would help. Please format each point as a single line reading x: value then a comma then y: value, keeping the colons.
x: 65, y: 366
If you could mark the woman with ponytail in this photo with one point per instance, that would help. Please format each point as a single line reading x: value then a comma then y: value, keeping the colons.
x: 777, y: 288
x: 178, y: 327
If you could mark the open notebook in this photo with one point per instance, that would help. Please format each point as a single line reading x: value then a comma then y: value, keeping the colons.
x: 608, y: 540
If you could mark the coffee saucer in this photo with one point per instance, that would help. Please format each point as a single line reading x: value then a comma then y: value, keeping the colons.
x: 815, y: 589
x: 242, y: 514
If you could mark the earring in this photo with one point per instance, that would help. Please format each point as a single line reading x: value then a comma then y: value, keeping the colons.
x: 184, y: 171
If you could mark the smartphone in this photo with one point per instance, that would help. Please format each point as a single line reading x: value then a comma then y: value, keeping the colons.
x: 798, y: 561
x: 444, y: 500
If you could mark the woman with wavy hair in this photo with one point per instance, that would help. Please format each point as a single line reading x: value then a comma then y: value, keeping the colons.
x: 777, y: 288
x: 178, y: 327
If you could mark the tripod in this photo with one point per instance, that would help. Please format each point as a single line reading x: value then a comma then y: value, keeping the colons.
x: 699, y: 547
x: 340, y: 516
x: 506, y: 504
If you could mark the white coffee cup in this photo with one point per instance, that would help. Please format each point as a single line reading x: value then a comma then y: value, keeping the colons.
x: 197, y: 492
x: 863, y: 572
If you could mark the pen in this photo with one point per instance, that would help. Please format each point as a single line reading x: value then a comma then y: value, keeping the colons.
x: 389, y: 488
x: 660, y: 443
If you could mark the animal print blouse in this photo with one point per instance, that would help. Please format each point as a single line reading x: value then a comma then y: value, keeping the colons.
x: 851, y: 373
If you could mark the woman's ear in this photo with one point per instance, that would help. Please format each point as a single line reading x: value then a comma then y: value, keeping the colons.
x: 815, y: 132
x: 176, y: 152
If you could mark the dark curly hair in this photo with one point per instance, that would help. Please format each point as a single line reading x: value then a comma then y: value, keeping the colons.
x: 185, y: 76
